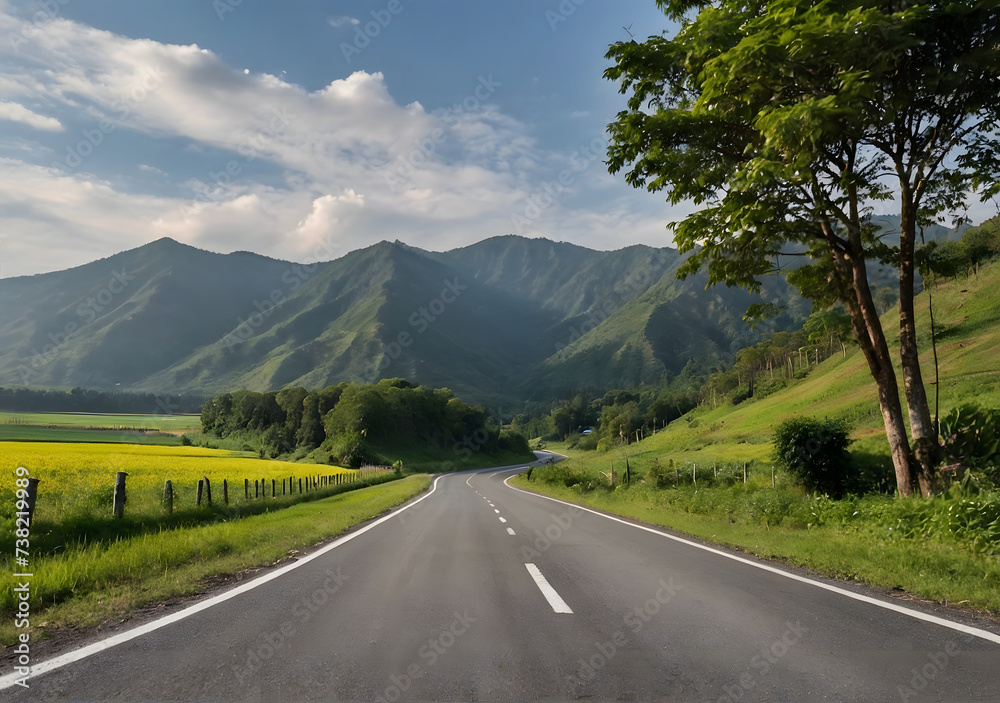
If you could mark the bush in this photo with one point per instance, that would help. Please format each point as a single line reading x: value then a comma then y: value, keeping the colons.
x: 661, y: 475
x: 971, y: 438
x: 561, y: 473
x: 815, y: 452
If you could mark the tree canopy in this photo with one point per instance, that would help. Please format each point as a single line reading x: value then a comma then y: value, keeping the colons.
x: 788, y: 122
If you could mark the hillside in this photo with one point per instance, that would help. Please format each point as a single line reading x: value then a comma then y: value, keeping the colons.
x: 967, y: 316
x: 503, y: 320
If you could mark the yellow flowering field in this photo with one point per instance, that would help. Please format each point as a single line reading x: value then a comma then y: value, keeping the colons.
x: 78, y: 478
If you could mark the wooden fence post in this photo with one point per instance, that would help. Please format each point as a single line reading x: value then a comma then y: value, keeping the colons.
x: 274, y: 494
x: 201, y: 487
x: 32, y: 497
x: 208, y: 491
x: 168, y: 497
x: 246, y: 489
x: 256, y: 488
x: 225, y: 491
x: 694, y: 474
x: 744, y: 473
x: 119, y: 499
x: 300, y: 486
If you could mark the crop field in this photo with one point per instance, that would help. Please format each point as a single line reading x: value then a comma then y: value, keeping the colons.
x: 77, y: 480
x: 100, y: 421
x: 90, y: 427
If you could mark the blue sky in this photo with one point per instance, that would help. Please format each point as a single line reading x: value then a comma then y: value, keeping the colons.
x: 305, y: 129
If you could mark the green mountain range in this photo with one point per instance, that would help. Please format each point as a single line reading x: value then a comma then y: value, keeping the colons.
x: 504, y: 320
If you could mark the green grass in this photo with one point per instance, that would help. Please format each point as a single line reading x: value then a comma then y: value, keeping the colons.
x: 22, y: 433
x: 90, y: 583
x: 163, y: 423
x: 162, y: 430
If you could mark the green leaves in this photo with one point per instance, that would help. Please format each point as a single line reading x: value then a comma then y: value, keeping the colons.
x: 781, y: 116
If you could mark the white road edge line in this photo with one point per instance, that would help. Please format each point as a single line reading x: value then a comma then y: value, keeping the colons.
x: 44, y: 667
x: 974, y: 631
x: 554, y: 599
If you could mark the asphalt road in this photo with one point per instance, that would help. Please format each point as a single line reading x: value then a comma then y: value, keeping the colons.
x: 480, y: 592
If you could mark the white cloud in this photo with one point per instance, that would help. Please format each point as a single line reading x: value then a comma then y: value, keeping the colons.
x: 579, y: 114
x: 19, y: 113
x: 353, y: 164
x: 326, y: 223
x: 343, y: 21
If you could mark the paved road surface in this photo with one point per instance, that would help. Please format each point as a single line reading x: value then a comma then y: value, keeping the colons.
x: 480, y: 592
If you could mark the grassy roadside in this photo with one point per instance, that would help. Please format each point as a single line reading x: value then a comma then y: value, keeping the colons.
x: 863, y: 541
x: 91, y: 583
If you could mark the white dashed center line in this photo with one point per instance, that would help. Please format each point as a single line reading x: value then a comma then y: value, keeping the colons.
x: 554, y: 599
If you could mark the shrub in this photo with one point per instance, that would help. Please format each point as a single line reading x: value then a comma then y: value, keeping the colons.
x: 588, y: 443
x: 815, y: 452
x: 661, y: 475
x: 971, y: 437
x: 561, y: 473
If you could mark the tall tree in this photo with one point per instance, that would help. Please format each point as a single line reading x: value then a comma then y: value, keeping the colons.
x: 787, y: 121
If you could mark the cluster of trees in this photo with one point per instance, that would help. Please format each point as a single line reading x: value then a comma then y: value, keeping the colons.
x: 617, y: 417
x: 977, y: 246
x: 80, y: 400
x: 354, y: 422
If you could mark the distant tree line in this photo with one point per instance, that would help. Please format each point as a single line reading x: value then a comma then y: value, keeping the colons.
x: 978, y: 245
x: 356, y: 422
x: 92, y: 401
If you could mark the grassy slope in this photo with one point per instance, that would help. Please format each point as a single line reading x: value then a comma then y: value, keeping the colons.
x: 967, y: 315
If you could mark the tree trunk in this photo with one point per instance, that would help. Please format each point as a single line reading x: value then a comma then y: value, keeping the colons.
x: 871, y: 339
x: 921, y: 426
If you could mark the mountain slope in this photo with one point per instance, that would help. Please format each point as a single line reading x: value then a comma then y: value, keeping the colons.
x: 505, y: 319
x: 110, y: 321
